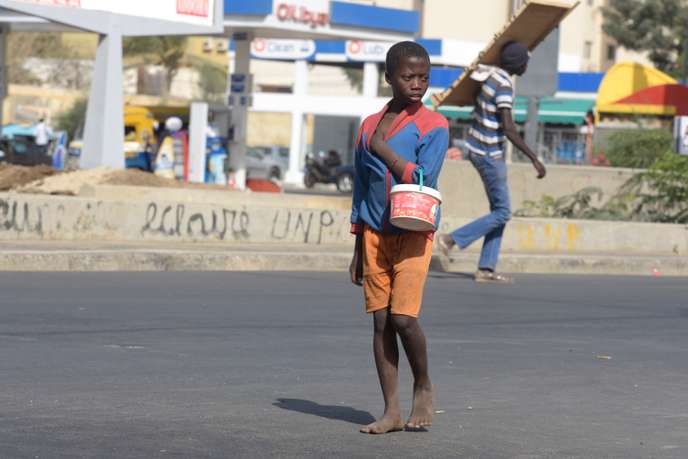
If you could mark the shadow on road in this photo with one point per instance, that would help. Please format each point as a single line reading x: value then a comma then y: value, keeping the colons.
x: 338, y: 412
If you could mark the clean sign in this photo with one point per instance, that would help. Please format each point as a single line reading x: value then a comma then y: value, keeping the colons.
x: 262, y: 48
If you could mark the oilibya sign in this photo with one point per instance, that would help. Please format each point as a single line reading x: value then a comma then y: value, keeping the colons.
x: 196, y: 12
x: 311, y: 13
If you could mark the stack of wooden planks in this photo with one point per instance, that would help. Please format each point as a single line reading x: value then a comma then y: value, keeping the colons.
x: 531, y: 24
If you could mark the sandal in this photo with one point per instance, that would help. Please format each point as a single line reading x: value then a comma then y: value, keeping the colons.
x: 442, y: 244
x: 484, y: 276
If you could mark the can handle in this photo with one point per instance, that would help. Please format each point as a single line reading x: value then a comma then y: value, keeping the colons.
x: 421, y: 172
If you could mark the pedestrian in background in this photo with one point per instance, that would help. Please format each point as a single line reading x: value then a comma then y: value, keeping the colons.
x: 42, y: 135
x: 492, y: 125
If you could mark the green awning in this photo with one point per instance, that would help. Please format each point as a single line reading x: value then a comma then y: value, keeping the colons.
x: 553, y: 110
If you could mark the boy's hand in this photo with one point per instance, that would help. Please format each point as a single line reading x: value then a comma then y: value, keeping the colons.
x: 540, y: 168
x: 356, y: 269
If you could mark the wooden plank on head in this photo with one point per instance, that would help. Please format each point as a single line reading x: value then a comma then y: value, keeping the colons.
x: 531, y: 24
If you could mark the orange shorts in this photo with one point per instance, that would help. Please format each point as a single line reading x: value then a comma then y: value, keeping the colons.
x: 395, y: 267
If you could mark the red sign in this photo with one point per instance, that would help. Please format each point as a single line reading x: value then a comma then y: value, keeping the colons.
x: 74, y: 3
x: 302, y: 15
x: 193, y: 7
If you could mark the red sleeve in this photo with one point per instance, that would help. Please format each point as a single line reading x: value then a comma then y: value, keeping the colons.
x: 407, y: 177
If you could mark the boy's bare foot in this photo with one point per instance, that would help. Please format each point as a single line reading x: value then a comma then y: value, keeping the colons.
x: 386, y: 424
x: 421, y: 415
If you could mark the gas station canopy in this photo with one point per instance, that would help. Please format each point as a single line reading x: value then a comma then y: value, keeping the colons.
x: 302, y: 19
x: 241, y: 19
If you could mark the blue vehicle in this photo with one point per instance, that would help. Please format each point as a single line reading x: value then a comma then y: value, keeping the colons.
x: 18, y: 146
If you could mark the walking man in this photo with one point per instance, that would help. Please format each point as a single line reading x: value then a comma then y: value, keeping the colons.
x: 492, y: 124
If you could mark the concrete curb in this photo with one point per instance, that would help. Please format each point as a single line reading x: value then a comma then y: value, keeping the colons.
x: 170, y: 260
x: 576, y: 264
x: 100, y: 260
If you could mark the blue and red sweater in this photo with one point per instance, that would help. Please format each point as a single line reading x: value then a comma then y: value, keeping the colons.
x: 419, y: 136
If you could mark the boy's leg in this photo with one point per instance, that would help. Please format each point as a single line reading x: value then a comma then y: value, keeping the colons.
x: 413, y: 340
x: 386, y: 353
x: 410, y: 273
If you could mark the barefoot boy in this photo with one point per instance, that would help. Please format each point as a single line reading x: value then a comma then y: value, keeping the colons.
x: 396, y: 146
x: 492, y: 125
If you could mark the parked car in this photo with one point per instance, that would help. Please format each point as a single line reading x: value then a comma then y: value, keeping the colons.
x: 269, y: 162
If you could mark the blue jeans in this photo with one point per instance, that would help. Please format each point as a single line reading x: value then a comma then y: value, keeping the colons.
x: 493, y: 173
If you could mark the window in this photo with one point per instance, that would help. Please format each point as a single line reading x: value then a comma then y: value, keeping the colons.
x: 255, y: 153
x: 588, y: 50
x: 611, y: 53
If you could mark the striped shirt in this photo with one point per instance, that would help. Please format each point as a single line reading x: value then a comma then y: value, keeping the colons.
x: 486, y: 136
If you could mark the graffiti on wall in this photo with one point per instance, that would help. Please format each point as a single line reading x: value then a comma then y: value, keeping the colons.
x: 177, y: 221
x: 20, y: 217
x: 307, y: 226
x: 65, y: 219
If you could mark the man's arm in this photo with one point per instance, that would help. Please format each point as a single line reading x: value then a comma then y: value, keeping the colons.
x: 512, y: 134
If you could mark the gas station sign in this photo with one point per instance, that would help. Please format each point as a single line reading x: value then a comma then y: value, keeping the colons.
x: 367, y: 51
x: 262, y: 48
x: 313, y: 13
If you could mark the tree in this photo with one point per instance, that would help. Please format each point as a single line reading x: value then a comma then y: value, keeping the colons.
x: 355, y: 77
x: 166, y: 51
x: 638, y: 148
x: 213, y: 82
x: 658, y: 27
x: 661, y: 191
x: 73, y: 119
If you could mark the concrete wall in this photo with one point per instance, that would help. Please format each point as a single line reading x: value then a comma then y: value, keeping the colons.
x: 464, y: 195
x: 53, y: 218
x: 48, y: 218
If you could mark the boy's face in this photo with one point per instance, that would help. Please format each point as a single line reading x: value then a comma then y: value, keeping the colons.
x: 410, y: 79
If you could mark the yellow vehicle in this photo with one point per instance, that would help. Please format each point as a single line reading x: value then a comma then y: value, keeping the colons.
x: 139, y: 137
x: 140, y: 126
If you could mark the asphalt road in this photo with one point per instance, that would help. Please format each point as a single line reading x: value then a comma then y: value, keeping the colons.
x: 252, y: 365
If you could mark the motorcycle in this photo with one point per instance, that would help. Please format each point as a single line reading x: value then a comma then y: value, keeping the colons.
x: 327, y: 167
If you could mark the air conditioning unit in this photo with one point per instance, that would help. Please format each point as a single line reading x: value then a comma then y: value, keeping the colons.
x: 222, y: 46
x: 208, y: 45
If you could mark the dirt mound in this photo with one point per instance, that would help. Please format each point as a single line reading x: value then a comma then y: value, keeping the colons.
x: 134, y: 177
x: 70, y: 183
x: 13, y: 176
